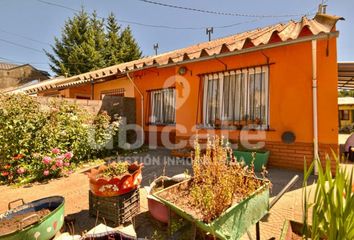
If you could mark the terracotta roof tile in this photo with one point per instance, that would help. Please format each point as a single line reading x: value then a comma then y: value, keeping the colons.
x: 7, y: 66
x: 291, y: 30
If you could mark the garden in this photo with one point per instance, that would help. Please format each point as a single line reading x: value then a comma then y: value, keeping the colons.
x: 42, y: 142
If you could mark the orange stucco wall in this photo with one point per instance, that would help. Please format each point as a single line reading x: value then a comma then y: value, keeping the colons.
x: 290, y: 89
x: 81, y: 91
x: 290, y: 94
x: 114, y: 84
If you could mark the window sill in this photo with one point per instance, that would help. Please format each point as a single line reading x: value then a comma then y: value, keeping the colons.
x: 161, y: 124
x: 233, y: 128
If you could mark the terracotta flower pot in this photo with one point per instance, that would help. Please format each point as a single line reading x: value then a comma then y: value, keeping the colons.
x: 108, y: 187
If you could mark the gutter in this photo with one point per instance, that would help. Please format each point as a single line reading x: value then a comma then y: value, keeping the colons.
x: 314, y: 104
x: 142, y: 106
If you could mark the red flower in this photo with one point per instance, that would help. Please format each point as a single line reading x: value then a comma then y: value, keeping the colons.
x: 4, y: 174
x: 7, y: 166
x: 18, y: 156
x: 55, y: 150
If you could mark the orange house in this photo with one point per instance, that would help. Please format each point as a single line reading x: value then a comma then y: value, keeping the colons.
x: 275, y: 86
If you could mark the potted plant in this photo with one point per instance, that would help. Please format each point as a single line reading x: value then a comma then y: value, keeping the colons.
x: 115, y: 179
x: 332, y: 206
x: 223, y: 197
x: 257, y: 157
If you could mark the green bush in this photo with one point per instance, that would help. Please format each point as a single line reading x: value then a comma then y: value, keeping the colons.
x: 29, y: 131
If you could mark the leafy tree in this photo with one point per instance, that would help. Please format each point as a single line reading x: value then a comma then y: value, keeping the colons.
x: 86, y: 44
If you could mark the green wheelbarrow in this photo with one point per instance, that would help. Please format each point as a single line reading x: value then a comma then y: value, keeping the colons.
x: 37, y: 220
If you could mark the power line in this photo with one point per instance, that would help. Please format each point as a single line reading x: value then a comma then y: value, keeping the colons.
x: 23, y: 63
x: 22, y: 36
x: 58, y: 5
x: 20, y: 45
x: 151, y: 25
x: 11, y: 60
x: 218, y: 12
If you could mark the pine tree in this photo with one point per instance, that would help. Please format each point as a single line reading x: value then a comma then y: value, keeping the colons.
x: 112, y: 51
x: 84, y: 45
x: 129, y: 48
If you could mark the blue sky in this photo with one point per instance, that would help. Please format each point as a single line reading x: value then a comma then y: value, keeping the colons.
x: 28, y: 26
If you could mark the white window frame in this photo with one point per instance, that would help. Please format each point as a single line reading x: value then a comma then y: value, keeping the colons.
x: 171, y: 101
x: 242, y: 81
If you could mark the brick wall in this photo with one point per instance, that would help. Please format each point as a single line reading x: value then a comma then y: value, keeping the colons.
x: 124, y: 107
x: 289, y: 156
x: 293, y: 155
x: 92, y: 106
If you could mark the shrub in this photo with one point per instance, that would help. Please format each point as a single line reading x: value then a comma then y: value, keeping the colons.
x: 28, y: 132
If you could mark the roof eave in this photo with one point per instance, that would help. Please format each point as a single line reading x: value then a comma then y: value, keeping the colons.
x: 257, y: 48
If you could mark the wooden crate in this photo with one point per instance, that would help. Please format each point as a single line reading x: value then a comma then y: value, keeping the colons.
x: 118, y: 209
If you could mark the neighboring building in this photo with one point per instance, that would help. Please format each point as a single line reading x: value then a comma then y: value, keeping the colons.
x: 13, y: 75
x: 266, y: 78
x: 346, y: 76
x: 345, y: 111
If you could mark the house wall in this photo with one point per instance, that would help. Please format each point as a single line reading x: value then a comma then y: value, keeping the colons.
x: 114, y: 84
x: 290, y: 89
x: 290, y: 107
x: 80, y: 91
x: 74, y: 92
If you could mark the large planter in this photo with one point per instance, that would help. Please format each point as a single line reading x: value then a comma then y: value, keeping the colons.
x: 234, y: 222
x: 158, y: 209
x: 45, y: 228
x: 117, y: 185
x: 261, y: 158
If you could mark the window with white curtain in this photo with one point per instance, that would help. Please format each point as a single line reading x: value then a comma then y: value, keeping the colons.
x: 236, y: 98
x: 163, y: 106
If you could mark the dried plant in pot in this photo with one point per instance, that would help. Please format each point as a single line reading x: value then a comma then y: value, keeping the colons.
x: 223, y: 197
x: 115, y: 179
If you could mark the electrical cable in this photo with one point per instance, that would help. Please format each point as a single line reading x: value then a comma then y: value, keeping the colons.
x: 153, y: 25
x: 20, y: 45
x: 218, y: 12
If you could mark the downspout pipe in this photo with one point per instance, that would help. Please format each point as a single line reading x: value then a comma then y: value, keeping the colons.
x: 314, y: 104
x: 142, y: 106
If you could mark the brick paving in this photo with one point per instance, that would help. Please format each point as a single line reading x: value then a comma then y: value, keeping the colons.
x: 75, y: 190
